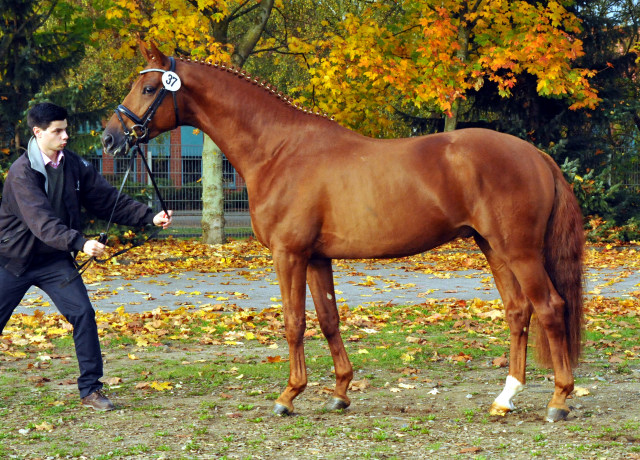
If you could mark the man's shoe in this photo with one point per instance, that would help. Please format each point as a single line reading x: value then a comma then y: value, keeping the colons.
x: 98, y: 401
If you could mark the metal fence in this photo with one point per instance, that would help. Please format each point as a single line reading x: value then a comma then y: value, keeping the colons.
x: 179, y: 179
x: 631, y: 178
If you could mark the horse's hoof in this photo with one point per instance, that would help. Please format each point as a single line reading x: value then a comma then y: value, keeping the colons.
x: 497, y: 409
x: 335, y: 404
x: 555, y: 414
x: 281, y: 410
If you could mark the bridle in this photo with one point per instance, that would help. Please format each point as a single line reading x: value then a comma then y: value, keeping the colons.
x: 139, y: 132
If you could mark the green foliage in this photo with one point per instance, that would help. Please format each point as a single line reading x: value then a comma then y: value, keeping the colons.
x: 594, y: 191
x: 613, y: 210
x: 39, y: 41
x: 626, y: 205
x: 607, y: 230
x: 42, y: 44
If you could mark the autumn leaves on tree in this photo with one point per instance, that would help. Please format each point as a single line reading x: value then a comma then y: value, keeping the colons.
x: 434, y: 54
x: 370, y: 61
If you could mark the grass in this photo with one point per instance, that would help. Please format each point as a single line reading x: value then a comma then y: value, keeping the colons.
x: 196, y: 232
x: 220, y: 396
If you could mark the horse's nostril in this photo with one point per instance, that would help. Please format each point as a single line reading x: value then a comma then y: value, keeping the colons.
x: 107, y: 141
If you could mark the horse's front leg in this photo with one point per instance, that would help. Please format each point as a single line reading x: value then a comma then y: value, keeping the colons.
x: 320, y: 279
x: 291, y: 271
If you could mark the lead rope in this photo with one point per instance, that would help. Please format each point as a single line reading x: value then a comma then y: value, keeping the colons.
x: 104, y: 236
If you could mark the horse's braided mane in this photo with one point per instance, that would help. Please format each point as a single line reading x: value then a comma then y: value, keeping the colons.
x: 273, y: 90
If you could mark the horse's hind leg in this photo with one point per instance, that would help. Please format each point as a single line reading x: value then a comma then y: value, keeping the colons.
x: 550, y: 309
x: 291, y: 271
x: 320, y: 279
x: 518, y: 311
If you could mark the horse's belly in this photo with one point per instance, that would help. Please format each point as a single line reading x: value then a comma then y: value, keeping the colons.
x: 403, y: 240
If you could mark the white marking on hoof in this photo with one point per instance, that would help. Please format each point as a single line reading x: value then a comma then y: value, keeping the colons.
x: 329, y: 296
x: 511, y: 388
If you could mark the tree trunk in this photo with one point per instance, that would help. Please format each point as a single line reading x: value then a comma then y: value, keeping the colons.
x: 212, y: 196
x: 212, y: 193
x: 16, y: 139
x: 450, y: 122
x: 248, y: 41
x: 464, y: 32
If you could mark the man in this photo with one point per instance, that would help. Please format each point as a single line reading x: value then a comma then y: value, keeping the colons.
x: 40, y: 227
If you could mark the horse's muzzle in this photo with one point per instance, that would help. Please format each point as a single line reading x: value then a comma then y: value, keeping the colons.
x: 112, y: 147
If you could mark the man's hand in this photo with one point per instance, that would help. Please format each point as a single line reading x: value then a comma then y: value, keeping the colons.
x: 162, y: 219
x: 93, y: 248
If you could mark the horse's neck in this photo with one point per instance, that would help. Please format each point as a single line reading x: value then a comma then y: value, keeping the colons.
x: 249, y: 123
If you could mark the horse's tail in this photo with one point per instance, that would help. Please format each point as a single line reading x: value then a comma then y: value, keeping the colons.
x: 563, y: 255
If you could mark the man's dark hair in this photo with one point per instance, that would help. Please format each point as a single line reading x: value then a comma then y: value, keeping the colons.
x: 44, y: 113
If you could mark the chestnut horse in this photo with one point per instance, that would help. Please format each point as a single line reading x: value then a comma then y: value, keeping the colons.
x: 318, y: 191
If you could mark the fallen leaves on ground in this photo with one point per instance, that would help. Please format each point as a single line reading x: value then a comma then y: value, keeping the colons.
x: 224, y: 323
x: 177, y: 255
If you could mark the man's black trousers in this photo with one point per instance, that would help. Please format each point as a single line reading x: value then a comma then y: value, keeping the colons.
x: 71, y: 300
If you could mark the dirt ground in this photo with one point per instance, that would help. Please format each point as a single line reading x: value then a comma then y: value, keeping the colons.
x: 435, y: 410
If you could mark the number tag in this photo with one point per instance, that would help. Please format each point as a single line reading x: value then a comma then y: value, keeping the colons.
x: 171, y: 81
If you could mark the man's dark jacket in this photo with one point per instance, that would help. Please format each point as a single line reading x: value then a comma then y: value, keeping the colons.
x: 26, y: 215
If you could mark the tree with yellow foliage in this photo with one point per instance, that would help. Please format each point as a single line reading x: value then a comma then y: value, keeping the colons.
x: 428, y: 56
x: 208, y: 29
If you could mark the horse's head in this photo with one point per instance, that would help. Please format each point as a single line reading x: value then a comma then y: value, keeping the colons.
x: 146, y: 111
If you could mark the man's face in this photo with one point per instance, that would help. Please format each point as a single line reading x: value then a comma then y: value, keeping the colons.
x: 52, y: 139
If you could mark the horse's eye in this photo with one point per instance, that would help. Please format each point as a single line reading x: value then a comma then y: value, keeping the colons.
x: 148, y: 90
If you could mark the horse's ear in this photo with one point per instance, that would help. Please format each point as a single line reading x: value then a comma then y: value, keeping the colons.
x: 152, y: 54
